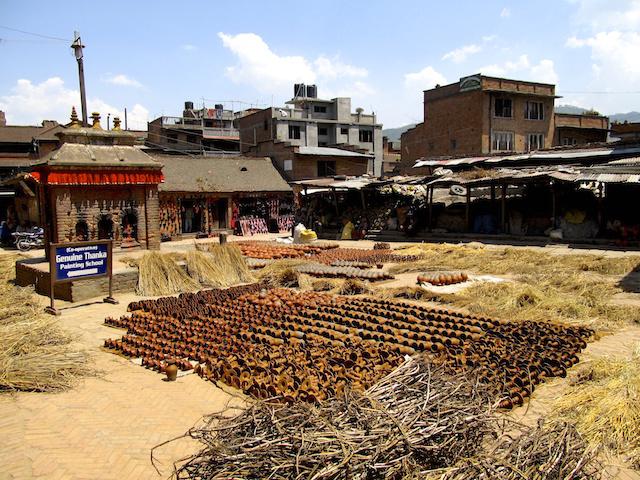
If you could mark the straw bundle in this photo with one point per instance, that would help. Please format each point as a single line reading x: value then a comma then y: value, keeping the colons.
x: 220, y: 266
x: 281, y: 273
x: 159, y: 274
x: 35, y: 352
x: 604, y: 402
x: 352, y: 286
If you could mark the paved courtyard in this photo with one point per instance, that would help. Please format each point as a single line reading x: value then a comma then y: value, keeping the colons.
x: 106, y: 426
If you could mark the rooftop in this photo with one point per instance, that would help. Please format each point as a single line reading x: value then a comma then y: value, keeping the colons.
x: 330, y: 151
x: 77, y: 154
x: 220, y: 174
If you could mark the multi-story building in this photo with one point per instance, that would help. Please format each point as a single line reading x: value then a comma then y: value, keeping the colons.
x: 198, y: 131
x: 626, y: 131
x: 339, y: 140
x: 480, y: 115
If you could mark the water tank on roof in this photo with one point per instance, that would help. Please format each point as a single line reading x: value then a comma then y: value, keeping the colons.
x: 312, y: 91
x: 299, y: 90
x: 219, y: 106
x: 188, y: 105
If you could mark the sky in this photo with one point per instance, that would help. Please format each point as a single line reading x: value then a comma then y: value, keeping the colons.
x: 150, y: 57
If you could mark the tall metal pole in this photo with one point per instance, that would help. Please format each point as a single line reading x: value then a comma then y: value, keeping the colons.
x: 77, y: 49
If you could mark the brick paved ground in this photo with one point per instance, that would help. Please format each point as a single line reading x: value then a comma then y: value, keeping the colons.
x: 105, y: 427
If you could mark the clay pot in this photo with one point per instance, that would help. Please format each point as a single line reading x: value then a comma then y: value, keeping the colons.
x: 171, y: 370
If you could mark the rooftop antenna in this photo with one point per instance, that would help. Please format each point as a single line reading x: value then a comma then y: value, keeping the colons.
x: 77, y: 50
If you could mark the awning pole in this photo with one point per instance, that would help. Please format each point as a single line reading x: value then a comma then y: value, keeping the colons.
x: 430, y: 202
x: 467, y: 208
x: 553, y: 205
x: 503, y: 213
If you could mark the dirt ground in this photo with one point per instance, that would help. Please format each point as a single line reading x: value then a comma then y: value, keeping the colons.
x: 106, y: 426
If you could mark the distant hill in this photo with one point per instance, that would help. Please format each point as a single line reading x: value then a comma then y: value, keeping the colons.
x: 625, y: 117
x: 616, y: 117
x: 394, y: 133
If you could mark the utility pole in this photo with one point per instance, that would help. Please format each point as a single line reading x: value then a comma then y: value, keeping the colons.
x: 77, y: 49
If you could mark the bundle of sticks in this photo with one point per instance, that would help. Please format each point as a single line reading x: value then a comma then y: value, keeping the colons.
x: 417, y: 420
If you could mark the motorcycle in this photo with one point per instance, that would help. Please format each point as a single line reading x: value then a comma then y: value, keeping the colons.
x: 25, y: 241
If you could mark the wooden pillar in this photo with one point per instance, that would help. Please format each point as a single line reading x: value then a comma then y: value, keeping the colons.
x: 601, y: 219
x: 364, y: 203
x: 335, y: 201
x: 430, y: 203
x: 503, y: 212
x: 553, y: 205
x: 467, y: 212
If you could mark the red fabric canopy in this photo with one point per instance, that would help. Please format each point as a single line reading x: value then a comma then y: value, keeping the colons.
x: 106, y: 177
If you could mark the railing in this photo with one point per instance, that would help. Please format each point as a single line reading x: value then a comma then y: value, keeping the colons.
x: 220, y: 132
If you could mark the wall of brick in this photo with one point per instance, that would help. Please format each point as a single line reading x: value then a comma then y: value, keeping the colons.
x: 74, y: 204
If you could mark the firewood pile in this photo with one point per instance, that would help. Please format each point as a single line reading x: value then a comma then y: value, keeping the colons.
x: 306, y: 345
x: 420, y: 421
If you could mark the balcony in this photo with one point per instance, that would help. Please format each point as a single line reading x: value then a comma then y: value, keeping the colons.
x: 221, y: 133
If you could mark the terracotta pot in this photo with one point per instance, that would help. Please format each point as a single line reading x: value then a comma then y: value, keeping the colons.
x: 171, y: 370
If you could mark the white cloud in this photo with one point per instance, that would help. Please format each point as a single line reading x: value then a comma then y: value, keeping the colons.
x: 459, y: 55
x: 124, y: 81
x: 425, y: 79
x: 30, y: 103
x: 262, y: 68
x: 599, y: 15
x: 609, y: 32
x: 523, y: 69
x: 505, y: 12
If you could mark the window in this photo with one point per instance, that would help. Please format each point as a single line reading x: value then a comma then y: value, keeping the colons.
x: 322, y: 131
x: 265, y: 125
x: 288, y: 165
x: 344, y: 131
x: 172, y: 138
x: 533, y: 110
x: 503, y: 107
x: 366, y: 136
x: 326, y: 168
x: 535, y: 141
x: 294, y: 132
x: 569, y: 141
x: 502, y: 141
x: 319, y: 109
x: 454, y: 144
x: 431, y: 146
x: 192, y: 140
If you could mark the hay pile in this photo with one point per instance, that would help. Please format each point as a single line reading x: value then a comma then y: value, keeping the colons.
x: 509, y: 260
x: 604, y: 402
x: 219, y: 266
x: 35, y: 352
x: 281, y: 273
x: 562, y: 288
x: 159, y: 274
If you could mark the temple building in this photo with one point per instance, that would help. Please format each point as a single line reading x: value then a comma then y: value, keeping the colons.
x: 98, y: 185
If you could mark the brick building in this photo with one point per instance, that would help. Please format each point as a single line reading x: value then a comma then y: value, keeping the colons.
x: 312, y: 137
x: 97, y: 185
x: 626, y: 131
x: 480, y: 115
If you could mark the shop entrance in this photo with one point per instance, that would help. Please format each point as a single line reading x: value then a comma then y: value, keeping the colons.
x: 218, y: 214
x: 192, y: 216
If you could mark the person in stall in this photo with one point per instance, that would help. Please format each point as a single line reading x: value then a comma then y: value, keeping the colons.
x: 347, y: 229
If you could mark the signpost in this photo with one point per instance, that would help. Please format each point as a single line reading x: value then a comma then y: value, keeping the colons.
x: 69, y: 262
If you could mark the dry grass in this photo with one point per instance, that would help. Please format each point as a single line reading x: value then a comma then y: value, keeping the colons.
x: 218, y: 266
x: 509, y: 260
x: 353, y: 286
x: 604, y: 402
x: 566, y: 288
x: 35, y: 352
x: 281, y: 273
x: 159, y: 274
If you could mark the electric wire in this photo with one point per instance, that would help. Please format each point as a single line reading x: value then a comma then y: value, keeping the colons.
x: 49, y: 37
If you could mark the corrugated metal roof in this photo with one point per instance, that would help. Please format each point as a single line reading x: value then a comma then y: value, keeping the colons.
x: 609, y: 177
x: 330, y: 151
x: 539, y: 156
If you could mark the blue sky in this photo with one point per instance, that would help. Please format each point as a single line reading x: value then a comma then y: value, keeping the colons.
x: 152, y: 56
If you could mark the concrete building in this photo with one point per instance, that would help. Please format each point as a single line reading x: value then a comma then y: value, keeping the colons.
x: 480, y: 115
x: 198, y: 131
x: 323, y: 127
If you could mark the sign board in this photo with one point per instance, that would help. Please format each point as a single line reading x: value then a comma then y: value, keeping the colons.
x: 472, y: 82
x: 81, y: 261
x: 70, y: 262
